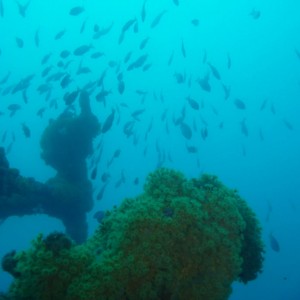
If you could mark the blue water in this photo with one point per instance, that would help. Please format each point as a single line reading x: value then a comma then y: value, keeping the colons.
x: 263, y: 165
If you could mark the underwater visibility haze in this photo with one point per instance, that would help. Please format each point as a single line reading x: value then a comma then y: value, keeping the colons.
x: 149, y: 149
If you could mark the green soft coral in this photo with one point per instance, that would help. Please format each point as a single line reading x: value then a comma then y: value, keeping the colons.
x: 181, y: 239
x: 47, y: 271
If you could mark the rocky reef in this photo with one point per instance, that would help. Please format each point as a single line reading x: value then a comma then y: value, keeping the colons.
x: 181, y: 239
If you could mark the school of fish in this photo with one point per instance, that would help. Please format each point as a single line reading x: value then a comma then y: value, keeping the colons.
x: 108, y: 79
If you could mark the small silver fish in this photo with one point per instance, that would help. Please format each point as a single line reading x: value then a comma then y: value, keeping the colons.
x: 77, y: 10
x: 100, y: 215
x: 255, y: 14
x: 195, y: 22
x: 244, y: 128
x: 239, y: 104
x: 26, y: 130
x: 20, y: 42
x: 108, y: 122
x: 143, y: 11
x: 157, y: 19
x: 274, y: 243
x: 204, y: 83
x: 101, y: 192
x: 214, y: 71
x: 81, y: 50
x: 60, y: 34
x: 193, y: 103
x: 23, y: 8
x: 186, y: 130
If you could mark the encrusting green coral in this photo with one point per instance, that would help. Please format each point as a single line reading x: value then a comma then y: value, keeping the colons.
x: 181, y: 239
x: 49, y: 267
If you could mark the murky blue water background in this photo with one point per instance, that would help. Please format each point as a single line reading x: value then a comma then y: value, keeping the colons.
x: 264, y: 166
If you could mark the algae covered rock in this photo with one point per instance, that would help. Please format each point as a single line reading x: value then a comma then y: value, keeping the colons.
x: 180, y: 239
